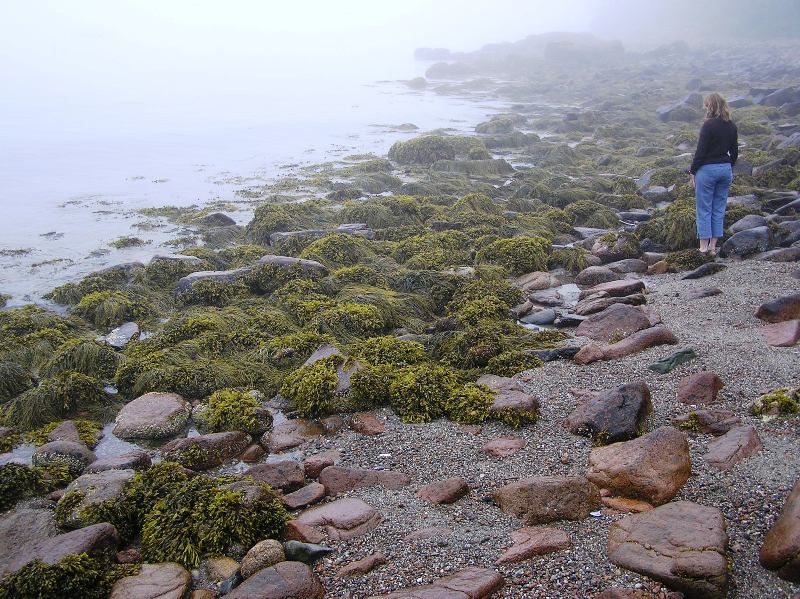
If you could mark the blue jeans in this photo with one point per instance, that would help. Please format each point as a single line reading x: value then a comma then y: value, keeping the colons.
x: 711, y: 185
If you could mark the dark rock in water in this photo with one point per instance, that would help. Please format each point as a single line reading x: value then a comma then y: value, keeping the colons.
x: 786, y: 307
x: 308, y: 553
x: 751, y: 221
x: 746, y: 243
x: 694, y: 294
x: 665, y: 365
x: 216, y: 219
x: 704, y: 270
x: 612, y: 415
x: 551, y: 355
x: 542, y: 317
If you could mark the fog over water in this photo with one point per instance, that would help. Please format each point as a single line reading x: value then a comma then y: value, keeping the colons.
x: 112, y: 106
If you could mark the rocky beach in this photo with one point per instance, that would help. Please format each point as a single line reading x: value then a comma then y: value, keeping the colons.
x: 488, y: 363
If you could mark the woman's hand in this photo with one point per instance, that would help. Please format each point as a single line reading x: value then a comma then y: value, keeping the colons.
x: 691, y: 181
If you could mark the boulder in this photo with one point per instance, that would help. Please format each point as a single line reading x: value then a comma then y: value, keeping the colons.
x: 76, y: 456
x: 639, y: 341
x: 780, y: 551
x: 284, y: 580
x: 154, y: 581
x: 24, y: 526
x: 286, y: 475
x: 680, y: 544
x: 503, y: 447
x: 96, y: 488
x: 614, y: 323
x: 653, y: 467
x: 750, y: 221
x: 595, y: 275
x: 471, y: 583
x: 262, y: 555
x: 362, y: 566
x: 449, y: 490
x: 530, y: 542
x: 131, y: 460
x: 152, y: 416
x: 315, y: 464
x: 782, y: 334
x: 65, y: 431
x: 510, y: 398
x: 207, y: 451
x: 715, y: 422
x: 786, y: 307
x: 97, y: 539
x: 342, y: 519
x: 305, y: 496
x: 619, y: 288
x: 700, y: 388
x: 731, y: 448
x: 543, y: 499
x: 612, y: 415
x: 290, y: 434
x: 367, y: 423
x: 341, y: 479
x: 746, y: 243
x: 600, y: 301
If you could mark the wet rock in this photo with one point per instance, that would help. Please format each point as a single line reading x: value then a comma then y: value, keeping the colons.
x: 132, y: 460
x: 74, y: 455
x: 367, y: 423
x: 509, y: 398
x: 253, y: 453
x: 155, y: 581
x: 96, y: 488
x: 780, y: 551
x: 614, y: 323
x: 120, y: 336
x: 341, y: 479
x: 784, y: 308
x: 731, y: 448
x: 503, y: 447
x: 286, y: 475
x: 152, y: 416
x: 619, y: 288
x: 595, y: 275
x: 285, y: 580
x: 530, y: 542
x: 715, y: 422
x: 680, y: 544
x: 700, y: 388
x: 471, y: 583
x: 782, y: 334
x: 314, y: 464
x: 342, y: 519
x: 362, y: 566
x: 612, y: 415
x: 207, y: 451
x: 746, y: 243
x: 672, y: 361
x: 305, y: 496
x: 653, y: 467
x: 750, y: 221
x: 540, y: 317
x: 24, y: 526
x: 705, y: 270
x: 291, y: 434
x: 221, y: 569
x: 97, y: 539
x: 444, y: 491
x: 262, y: 555
x: 543, y: 499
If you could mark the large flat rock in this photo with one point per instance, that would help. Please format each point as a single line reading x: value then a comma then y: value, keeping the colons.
x: 154, y: 581
x: 152, y: 416
x: 471, y: 583
x: 341, y: 479
x: 342, y: 519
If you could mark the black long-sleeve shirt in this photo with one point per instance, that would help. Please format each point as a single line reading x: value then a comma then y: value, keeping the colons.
x: 718, y: 144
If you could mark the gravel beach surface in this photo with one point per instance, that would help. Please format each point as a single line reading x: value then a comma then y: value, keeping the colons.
x: 726, y: 338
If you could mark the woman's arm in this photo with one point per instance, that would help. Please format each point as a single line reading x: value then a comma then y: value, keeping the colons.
x: 700, y: 152
x: 734, y: 149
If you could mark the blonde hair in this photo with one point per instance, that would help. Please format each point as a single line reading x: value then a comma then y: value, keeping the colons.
x: 717, y: 107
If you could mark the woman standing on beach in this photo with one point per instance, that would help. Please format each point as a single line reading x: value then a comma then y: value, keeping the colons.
x: 712, y: 171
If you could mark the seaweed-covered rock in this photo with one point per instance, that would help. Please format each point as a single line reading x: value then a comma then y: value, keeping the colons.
x: 186, y: 285
x: 152, y: 416
x: 206, y: 451
x: 422, y: 151
x: 87, y: 492
x: 511, y: 405
x: 76, y: 456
